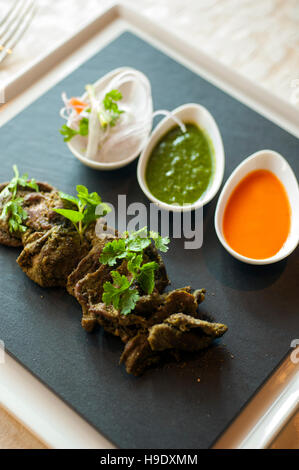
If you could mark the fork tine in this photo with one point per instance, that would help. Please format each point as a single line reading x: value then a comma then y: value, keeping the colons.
x: 5, y: 18
x: 20, y: 26
x: 11, y: 18
x: 22, y: 30
x: 15, y: 21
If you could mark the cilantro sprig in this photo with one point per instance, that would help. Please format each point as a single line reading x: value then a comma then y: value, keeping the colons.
x: 69, y: 132
x: 16, y: 181
x: 120, y: 294
x: 112, y: 111
x: 134, y: 242
x: 16, y: 215
x: 13, y: 210
x: 108, y: 114
x: 123, y: 292
x: 89, y: 207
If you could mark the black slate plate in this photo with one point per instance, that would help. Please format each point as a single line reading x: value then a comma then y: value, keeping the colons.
x: 167, y: 407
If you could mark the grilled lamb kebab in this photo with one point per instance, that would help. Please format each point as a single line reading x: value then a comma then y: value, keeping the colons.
x: 118, y: 281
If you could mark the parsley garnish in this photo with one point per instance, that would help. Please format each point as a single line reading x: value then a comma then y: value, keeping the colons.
x: 13, y: 209
x: 89, y: 207
x: 113, y: 251
x: 122, y: 293
x: 15, y: 214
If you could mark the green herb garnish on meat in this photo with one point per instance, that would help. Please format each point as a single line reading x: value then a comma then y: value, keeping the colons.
x: 17, y: 180
x: 13, y: 208
x: 123, y: 292
x: 88, y: 208
x: 120, y: 294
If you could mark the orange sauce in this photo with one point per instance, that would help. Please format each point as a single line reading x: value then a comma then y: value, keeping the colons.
x: 257, y: 217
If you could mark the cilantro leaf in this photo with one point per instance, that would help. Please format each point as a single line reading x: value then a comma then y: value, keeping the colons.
x: 146, y: 277
x: 120, y: 294
x: 160, y: 242
x: 73, y: 216
x: 128, y: 301
x: 13, y: 209
x: 69, y: 198
x: 25, y: 182
x: 113, y: 251
x: 138, y: 244
x: 82, y: 189
x: 92, y: 199
x: 89, y: 208
x: 22, y: 181
x: 89, y: 215
x: 111, y: 106
x: 69, y: 132
x: 131, y: 248
x: 134, y: 263
x: 83, y: 127
x: 114, y: 95
x: 113, y: 291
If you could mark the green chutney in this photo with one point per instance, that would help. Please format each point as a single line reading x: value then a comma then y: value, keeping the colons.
x: 181, y: 166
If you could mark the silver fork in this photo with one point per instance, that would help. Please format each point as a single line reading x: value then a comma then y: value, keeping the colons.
x: 14, y: 25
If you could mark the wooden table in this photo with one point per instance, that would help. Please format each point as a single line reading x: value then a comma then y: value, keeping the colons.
x: 14, y: 436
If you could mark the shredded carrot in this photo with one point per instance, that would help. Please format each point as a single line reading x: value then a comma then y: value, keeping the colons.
x: 78, y: 105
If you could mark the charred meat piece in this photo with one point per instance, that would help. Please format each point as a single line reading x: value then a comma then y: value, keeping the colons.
x: 89, y: 291
x: 178, y: 300
x: 138, y: 355
x: 125, y: 326
x: 48, y: 257
x: 150, y: 309
x: 178, y: 333
x: 87, y: 280
x: 55, y: 254
x: 38, y: 206
x: 174, y: 333
x: 147, y: 304
x: 184, y: 332
x: 89, y: 264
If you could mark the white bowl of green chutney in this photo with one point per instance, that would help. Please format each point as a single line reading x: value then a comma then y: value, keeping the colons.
x: 182, y: 171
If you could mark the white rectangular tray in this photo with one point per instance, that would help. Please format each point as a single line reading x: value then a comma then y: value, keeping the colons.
x: 46, y: 415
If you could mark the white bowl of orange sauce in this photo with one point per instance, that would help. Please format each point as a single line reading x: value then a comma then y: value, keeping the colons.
x: 257, y: 214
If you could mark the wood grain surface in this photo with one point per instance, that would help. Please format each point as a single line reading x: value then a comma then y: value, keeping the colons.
x: 15, y: 436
